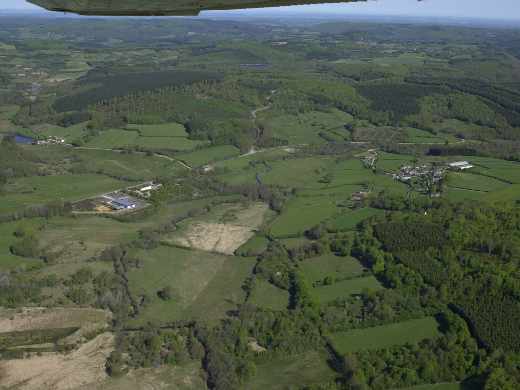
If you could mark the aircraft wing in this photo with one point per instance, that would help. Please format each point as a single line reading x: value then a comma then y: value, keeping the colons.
x: 164, y: 7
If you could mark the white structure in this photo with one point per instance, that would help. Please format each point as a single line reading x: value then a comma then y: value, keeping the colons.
x: 460, y: 165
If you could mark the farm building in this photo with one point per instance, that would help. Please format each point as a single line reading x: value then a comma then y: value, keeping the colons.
x: 122, y: 203
x: 460, y: 165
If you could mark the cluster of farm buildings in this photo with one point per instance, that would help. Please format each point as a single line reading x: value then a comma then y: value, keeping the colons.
x: 409, y: 172
x: 129, y: 199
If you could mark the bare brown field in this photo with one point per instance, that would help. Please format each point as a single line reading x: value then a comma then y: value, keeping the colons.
x: 224, y: 231
x: 186, y: 377
x: 56, y: 371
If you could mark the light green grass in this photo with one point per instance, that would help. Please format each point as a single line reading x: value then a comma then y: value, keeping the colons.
x: 160, y: 130
x: 8, y: 261
x: 472, y: 186
x: 349, y: 220
x: 133, y: 166
x: 205, y: 285
x: 424, y: 137
x: 70, y: 134
x: 305, y: 128
x: 293, y: 173
x: 295, y: 371
x: 318, y: 268
x: 268, y: 296
x: 114, y: 138
x: 385, y: 336
x: 207, y: 155
x: 505, y: 170
x: 254, y: 247
x: 345, y: 288
x: 301, y: 214
x: 36, y: 190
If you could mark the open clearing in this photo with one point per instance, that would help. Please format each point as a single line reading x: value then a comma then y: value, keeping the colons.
x: 345, y: 288
x: 294, y: 371
x: 329, y: 265
x: 268, y: 296
x: 188, y: 376
x: 205, y: 285
x: 55, y: 371
x: 36, y: 190
x: 385, y: 336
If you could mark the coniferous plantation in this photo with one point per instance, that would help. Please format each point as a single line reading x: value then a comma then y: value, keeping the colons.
x: 258, y: 204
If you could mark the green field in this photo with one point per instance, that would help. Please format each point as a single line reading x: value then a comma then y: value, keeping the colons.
x: 253, y: 247
x: 318, y: 268
x: 200, y: 157
x: 205, y: 285
x: 349, y: 220
x: 344, y: 289
x: 385, y: 336
x: 132, y: 166
x: 36, y: 190
x: 300, y: 370
x: 303, y: 213
x: 8, y: 261
x: 268, y: 296
x: 164, y: 130
x: 306, y: 128
x: 468, y: 185
x: 115, y: 138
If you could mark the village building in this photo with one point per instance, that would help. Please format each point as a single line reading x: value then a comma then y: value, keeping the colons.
x: 460, y: 165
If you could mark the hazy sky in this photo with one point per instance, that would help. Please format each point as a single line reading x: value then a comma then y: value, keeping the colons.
x: 497, y: 9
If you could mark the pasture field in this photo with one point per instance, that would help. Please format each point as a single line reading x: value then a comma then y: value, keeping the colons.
x: 295, y: 173
x: 36, y: 190
x: 69, y: 134
x: 268, y: 296
x: 300, y: 370
x: 253, y: 247
x: 204, y: 156
x: 385, y: 336
x: 390, y: 162
x: 318, y: 268
x: 116, y: 138
x: 475, y: 182
x: 76, y: 240
x: 349, y: 220
x: 8, y: 261
x: 302, y: 213
x: 292, y: 172
x: 472, y: 186
x: 163, y: 130
x: 306, y: 128
x: 501, y: 169
x: 205, y: 285
x: 511, y: 193
x: 129, y: 165
x: 418, y: 136
x: 244, y: 161
x: 344, y: 289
